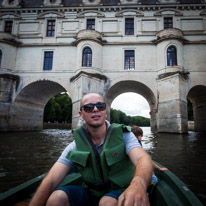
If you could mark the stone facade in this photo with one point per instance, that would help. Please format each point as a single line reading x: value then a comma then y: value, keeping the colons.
x: 154, y: 48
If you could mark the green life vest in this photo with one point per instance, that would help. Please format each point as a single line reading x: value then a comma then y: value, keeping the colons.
x: 113, y: 171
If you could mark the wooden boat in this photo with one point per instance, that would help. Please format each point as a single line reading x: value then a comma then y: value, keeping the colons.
x: 170, y: 191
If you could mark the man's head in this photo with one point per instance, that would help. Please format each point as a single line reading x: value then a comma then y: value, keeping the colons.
x: 137, y: 131
x: 93, y: 110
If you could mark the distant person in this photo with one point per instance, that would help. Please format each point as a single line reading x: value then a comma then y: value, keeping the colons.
x: 138, y: 132
x: 114, y: 167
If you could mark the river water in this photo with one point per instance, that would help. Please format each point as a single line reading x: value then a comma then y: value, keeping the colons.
x: 25, y: 155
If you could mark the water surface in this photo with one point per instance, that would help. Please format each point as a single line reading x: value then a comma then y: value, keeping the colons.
x: 25, y: 155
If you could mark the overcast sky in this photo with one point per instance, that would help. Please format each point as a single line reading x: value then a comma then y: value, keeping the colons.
x: 131, y: 104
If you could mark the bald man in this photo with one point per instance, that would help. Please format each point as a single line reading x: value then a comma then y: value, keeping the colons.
x: 115, y: 170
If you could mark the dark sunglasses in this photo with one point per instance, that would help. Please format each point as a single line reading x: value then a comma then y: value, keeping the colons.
x: 101, y: 106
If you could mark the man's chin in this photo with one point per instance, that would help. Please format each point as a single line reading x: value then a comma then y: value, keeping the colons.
x: 96, y: 125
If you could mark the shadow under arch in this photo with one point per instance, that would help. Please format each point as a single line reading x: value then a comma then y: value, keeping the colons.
x: 136, y: 87
x: 26, y: 111
x: 197, y: 95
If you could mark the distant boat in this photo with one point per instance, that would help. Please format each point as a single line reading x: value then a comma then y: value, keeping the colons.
x: 170, y: 191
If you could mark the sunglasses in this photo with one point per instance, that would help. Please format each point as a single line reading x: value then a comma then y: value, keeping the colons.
x: 101, y: 106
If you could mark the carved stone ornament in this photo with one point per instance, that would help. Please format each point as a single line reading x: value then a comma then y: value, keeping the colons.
x: 11, y: 3
x: 91, y: 2
x: 168, y: 1
x: 129, y: 1
x: 52, y: 2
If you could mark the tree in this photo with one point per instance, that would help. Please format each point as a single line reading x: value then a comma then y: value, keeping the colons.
x: 59, y: 108
x: 117, y: 116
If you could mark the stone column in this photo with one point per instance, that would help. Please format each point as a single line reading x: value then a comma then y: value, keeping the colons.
x: 8, y: 85
x: 171, y: 83
x: 153, y: 120
x: 172, y: 104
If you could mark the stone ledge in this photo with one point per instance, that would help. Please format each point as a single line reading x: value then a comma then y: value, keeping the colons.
x: 87, y: 34
x: 90, y: 74
x: 9, y: 38
x: 169, y: 33
x: 172, y: 71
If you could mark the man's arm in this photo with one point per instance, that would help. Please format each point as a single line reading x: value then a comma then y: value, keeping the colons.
x: 49, y: 184
x: 136, y: 193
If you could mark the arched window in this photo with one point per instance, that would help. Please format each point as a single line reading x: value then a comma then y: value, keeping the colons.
x: 172, y: 56
x: 0, y: 57
x: 87, y: 57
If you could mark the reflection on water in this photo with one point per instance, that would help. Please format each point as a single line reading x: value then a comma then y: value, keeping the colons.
x: 25, y: 155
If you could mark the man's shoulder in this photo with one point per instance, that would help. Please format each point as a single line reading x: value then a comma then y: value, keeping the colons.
x: 125, y: 128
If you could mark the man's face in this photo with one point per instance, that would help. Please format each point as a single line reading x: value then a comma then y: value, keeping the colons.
x: 95, y: 118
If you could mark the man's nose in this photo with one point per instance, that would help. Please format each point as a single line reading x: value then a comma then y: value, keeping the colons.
x: 95, y: 108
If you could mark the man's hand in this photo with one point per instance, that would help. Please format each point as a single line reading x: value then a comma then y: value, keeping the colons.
x: 135, y: 194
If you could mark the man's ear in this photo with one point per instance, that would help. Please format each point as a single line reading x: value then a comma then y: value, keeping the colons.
x: 81, y: 116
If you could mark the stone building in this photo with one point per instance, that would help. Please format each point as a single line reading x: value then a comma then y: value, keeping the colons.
x: 156, y: 48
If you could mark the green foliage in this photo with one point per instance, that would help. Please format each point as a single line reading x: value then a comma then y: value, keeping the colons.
x: 58, y: 108
x: 190, y: 110
x: 117, y: 116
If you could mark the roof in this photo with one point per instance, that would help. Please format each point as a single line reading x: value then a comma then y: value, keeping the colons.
x: 77, y: 3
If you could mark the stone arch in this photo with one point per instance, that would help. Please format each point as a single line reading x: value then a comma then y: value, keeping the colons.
x: 53, y: 14
x: 197, y: 96
x: 10, y: 15
x: 90, y: 13
x: 129, y: 12
x: 170, y: 11
x: 136, y: 87
x: 27, y: 109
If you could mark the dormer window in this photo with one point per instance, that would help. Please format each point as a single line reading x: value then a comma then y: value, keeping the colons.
x: 52, y: 2
x: 91, y: 2
x: 11, y: 2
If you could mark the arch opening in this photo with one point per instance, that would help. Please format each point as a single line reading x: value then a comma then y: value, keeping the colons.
x: 130, y: 108
x: 28, y: 107
x: 58, y: 112
x: 197, y: 96
x: 135, y: 87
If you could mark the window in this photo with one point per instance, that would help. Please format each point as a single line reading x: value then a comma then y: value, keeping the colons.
x: 50, y: 28
x: 129, y: 26
x: 168, y: 22
x: 8, y: 26
x: 48, y: 60
x: 129, y: 60
x: 87, y: 57
x: 171, y: 56
x: 0, y: 57
x: 91, y: 24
